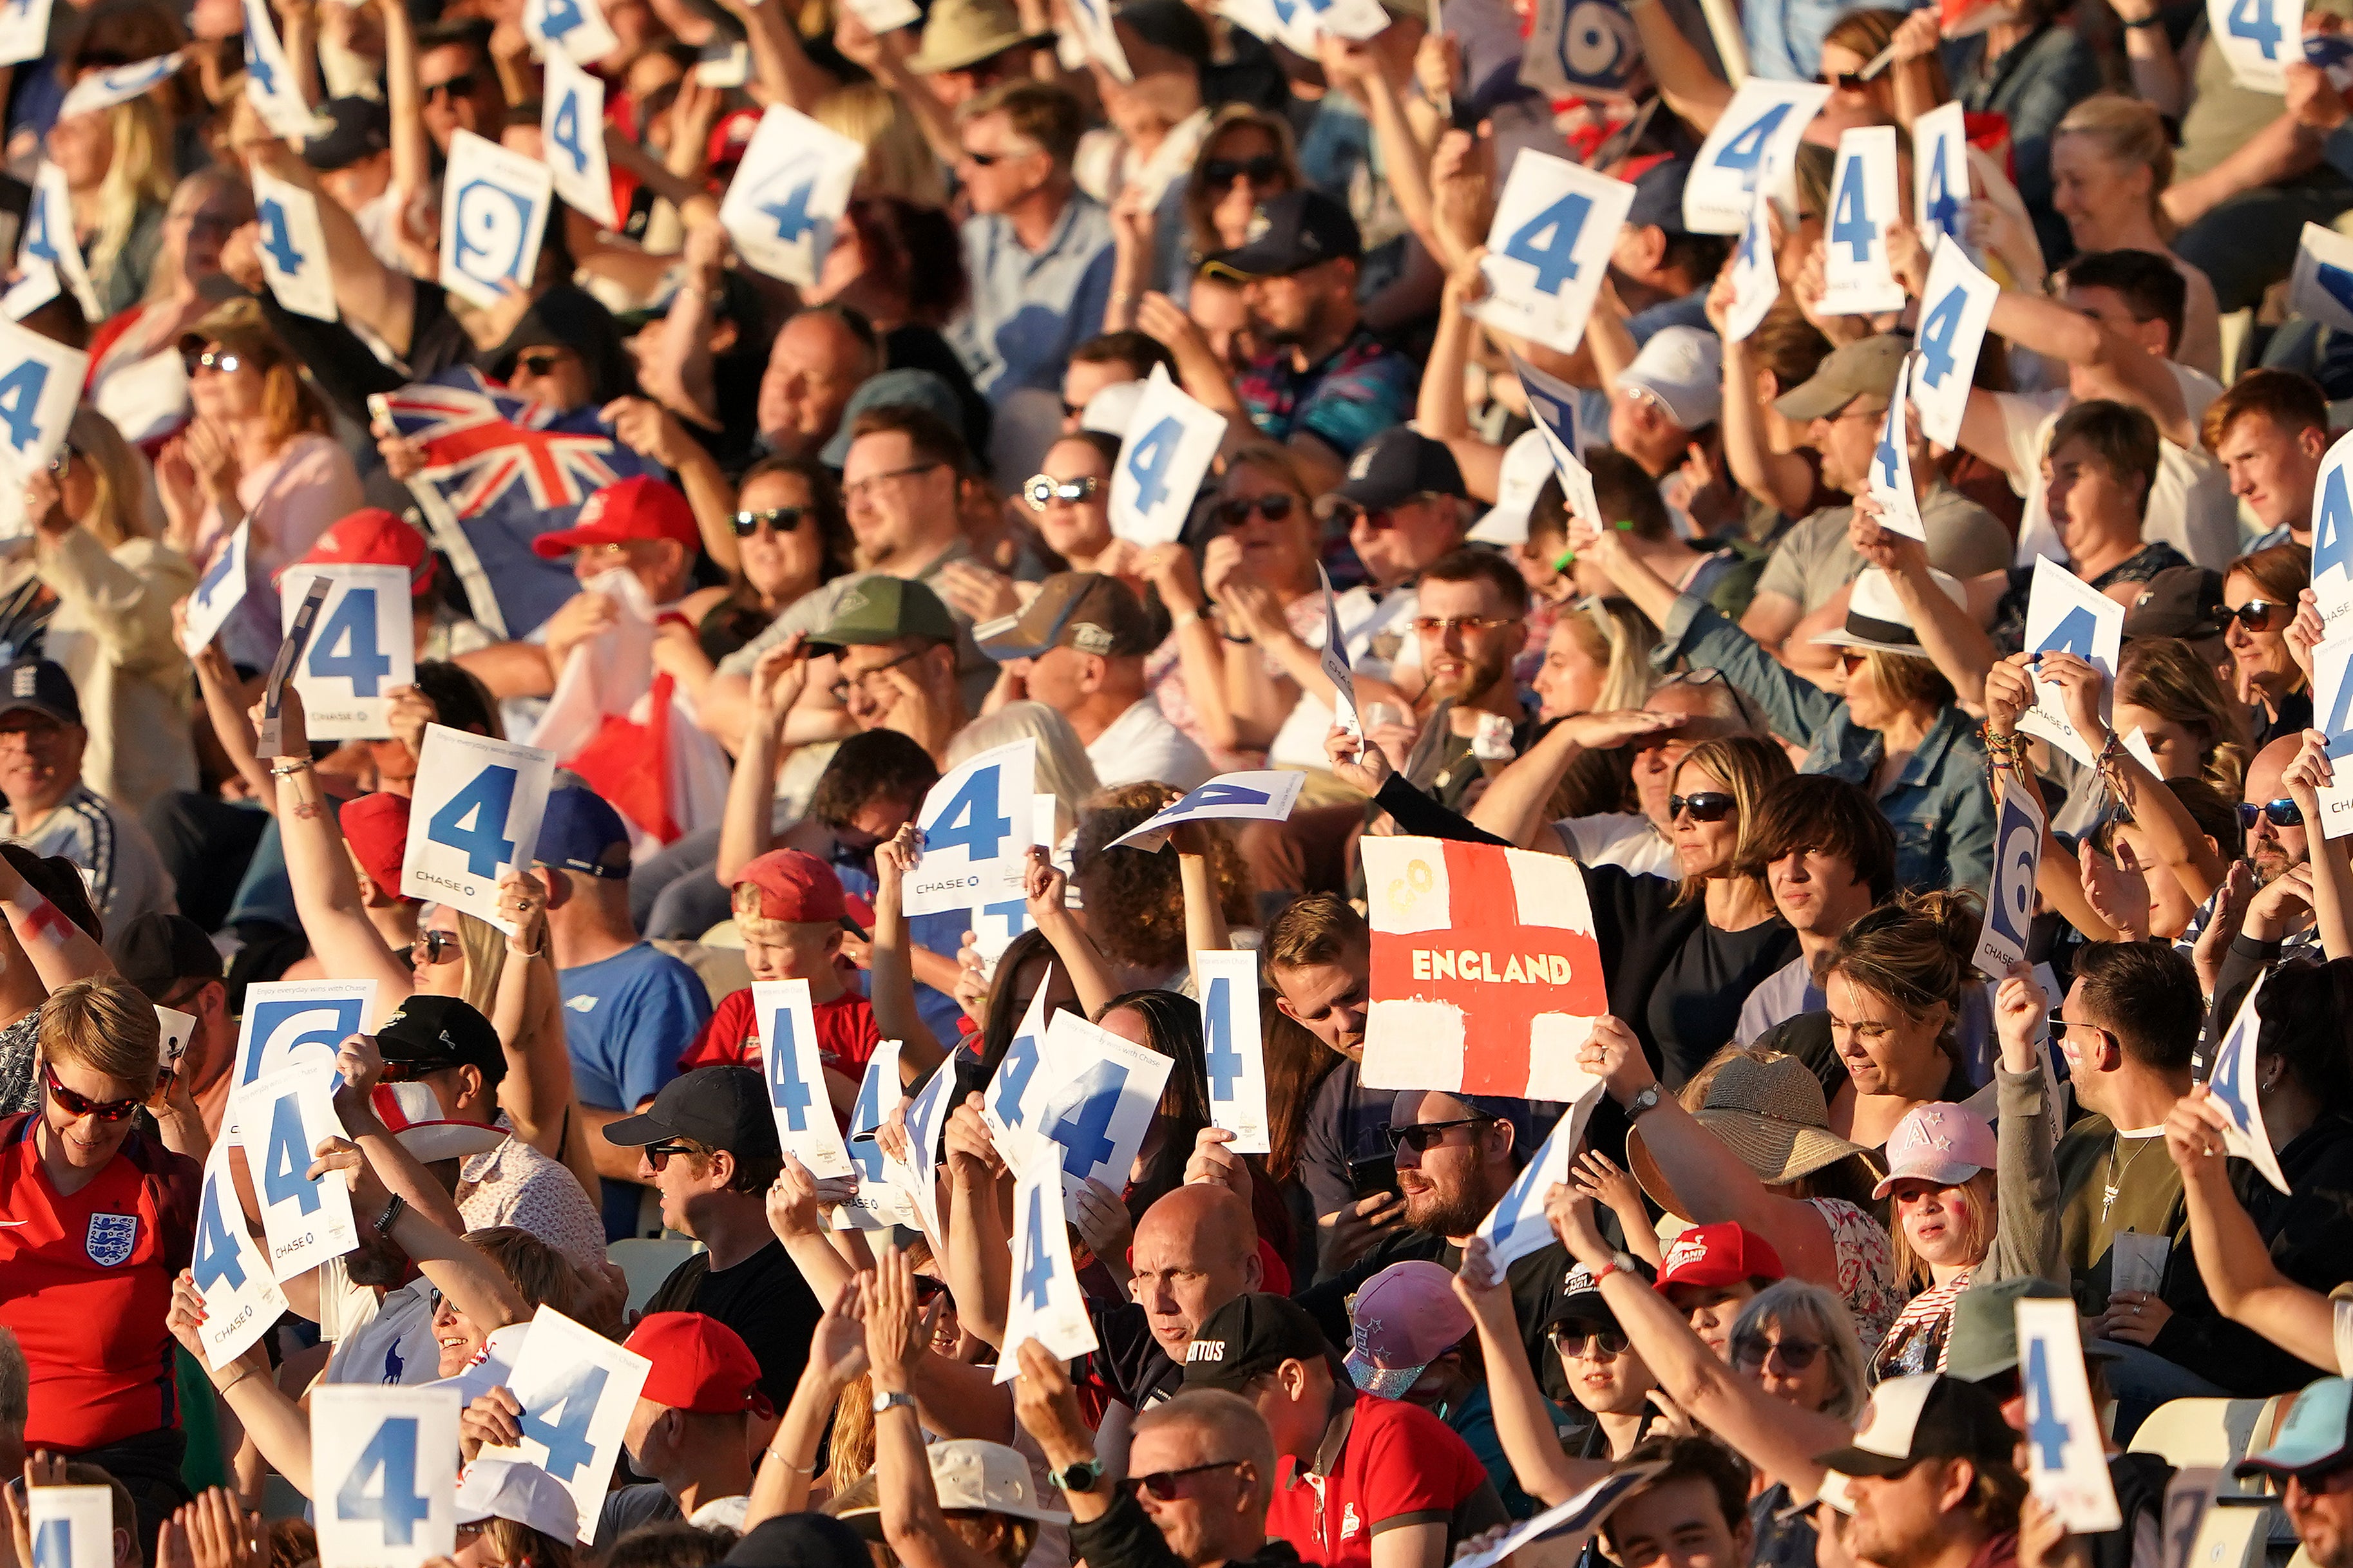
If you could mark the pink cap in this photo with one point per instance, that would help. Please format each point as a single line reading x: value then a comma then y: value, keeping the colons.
x: 1404, y: 1318
x: 1940, y: 1143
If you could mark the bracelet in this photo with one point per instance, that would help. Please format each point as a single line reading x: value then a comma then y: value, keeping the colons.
x: 391, y: 1216
x: 242, y: 1374
x: 519, y: 952
x: 287, y: 769
x: 1185, y: 619
x: 797, y: 1469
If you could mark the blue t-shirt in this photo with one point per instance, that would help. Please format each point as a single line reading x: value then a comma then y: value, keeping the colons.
x: 627, y: 1018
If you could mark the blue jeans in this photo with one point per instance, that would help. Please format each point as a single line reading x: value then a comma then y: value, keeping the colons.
x: 2142, y: 1380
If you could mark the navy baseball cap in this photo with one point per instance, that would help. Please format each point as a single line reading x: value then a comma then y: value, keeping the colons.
x: 1658, y: 195
x: 1290, y: 233
x: 581, y: 832
x: 44, y: 688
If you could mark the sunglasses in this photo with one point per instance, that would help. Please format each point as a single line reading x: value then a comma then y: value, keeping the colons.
x: 440, y: 946
x: 1042, y: 491
x: 1709, y: 675
x: 1347, y: 513
x: 1588, y: 1344
x: 1164, y: 1485
x: 1846, y: 81
x: 539, y: 364
x: 458, y: 86
x: 928, y: 1290
x: 1755, y: 1350
x: 1422, y: 1136
x: 77, y: 1105
x: 1851, y: 661
x: 421, y: 1068
x: 221, y: 360
x: 2255, y: 614
x: 2282, y: 813
x: 1438, y: 625
x: 658, y: 1154
x: 2059, y: 1024
x: 1238, y: 514
x: 779, y: 518
x: 1708, y: 806
x: 1265, y: 169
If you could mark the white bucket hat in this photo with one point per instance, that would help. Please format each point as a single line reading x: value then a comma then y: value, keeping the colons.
x: 509, y: 1489
x: 971, y: 1477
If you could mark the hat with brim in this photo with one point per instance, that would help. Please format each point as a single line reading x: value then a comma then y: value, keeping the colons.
x: 411, y: 1113
x: 960, y: 34
x: 510, y: 1488
x: 1771, y: 1114
x: 1868, y: 367
x: 1981, y: 1341
x: 970, y: 1474
x: 1877, y: 620
x: 2314, y: 1437
x: 1924, y: 1416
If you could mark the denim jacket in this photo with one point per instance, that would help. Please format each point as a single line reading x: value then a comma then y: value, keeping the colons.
x: 1939, y: 805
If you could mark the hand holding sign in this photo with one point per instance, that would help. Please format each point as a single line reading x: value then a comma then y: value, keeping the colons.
x: 2010, y: 898
x: 1955, y: 303
x: 71, y: 1526
x: 292, y: 247
x: 495, y: 209
x: 1549, y: 250
x: 572, y: 132
x: 40, y: 383
x: 2233, y: 1084
x: 2067, y: 1464
x: 796, y: 1074
x: 1334, y: 659
x: 1263, y: 796
x: 218, y: 592
x: 1518, y: 1225
x: 475, y: 816
x: 1047, y: 1304
x: 576, y: 29
x: 1892, y: 485
x: 304, y: 1021
x: 789, y: 192
x: 365, y: 647
x: 976, y: 828
x: 1856, y: 275
x: 1756, y: 281
x: 2066, y: 614
x: 1940, y: 175
x: 269, y: 731
x: 2258, y: 38
x: 1170, y: 440
x: 240, y: 1297
x: 578, y: 1390
x: 284, y: 1119
x: 1754, y: 145
x: 1095, y: 1095
x: 1232, y: 1051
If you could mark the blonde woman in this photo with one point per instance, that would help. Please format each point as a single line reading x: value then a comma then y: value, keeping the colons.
x: 2111, y: 159
x: 185, y: 284
x: 899, y: 162
x: 118, y: 168
x: 95, y: 546
x: 2169, y: 693
x: 257, y: 452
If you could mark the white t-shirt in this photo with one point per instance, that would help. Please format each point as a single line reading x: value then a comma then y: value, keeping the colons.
x: 1626, y: 839
x: 2189, y: 507
x: 1381, y: 640
x: 393, y: 1343
x: 1142, y: 746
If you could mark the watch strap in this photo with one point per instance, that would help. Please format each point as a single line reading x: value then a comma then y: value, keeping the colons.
x: 884, y: 1402
x: 1080, y: 1477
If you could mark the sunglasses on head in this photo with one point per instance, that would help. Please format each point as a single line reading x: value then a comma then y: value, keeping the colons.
x: 1042, y: 491
x: 1754, y: 1350
x: 1422, y: 1136
x: 221, y: 360
x: 1238, y: 514
x: 2282, y: 813
x: 1265, y: 169
x: 779, y: 518
x: 1708, y: 806
x: 2255, y: 614
x: 1164, y: 1485
x: 1579, y: 1343
x: 74, y: 1104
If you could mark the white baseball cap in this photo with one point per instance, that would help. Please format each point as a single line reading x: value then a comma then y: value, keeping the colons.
x: 1681, y: 369
x: 509, y: 1489
x: 490, y: 1366
x: 1112, y: 409
x: 1528, y: 464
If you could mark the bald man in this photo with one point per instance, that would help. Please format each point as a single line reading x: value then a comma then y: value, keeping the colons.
x: 1195, y: 1250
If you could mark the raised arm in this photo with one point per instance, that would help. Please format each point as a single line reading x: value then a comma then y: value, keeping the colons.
x: 891, y: 966
x: 1782, y: 481
x: 2117, y: 367
x: 744, y: 828
x: 1439, y: 411
x: 2026, y: 1231
x: 2245, y: 1285
x: 367, y: 292
x: 60, y: 949
x: 1954, y: 641
x: 1513, y: 806
x: 788, y: 1466
x: 1090, y: 975
x: 980, y: 1260
x: 278, y: 1428
x: 1694, y: 93
x: 1524, y: 1421
x: 2173, y: 834
x: 525, y: 1010
x: 2332, y: 871
x: 913, y: 1526
x: 326, y: 889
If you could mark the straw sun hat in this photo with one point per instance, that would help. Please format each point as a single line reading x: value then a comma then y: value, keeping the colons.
x: 1770, y: 1112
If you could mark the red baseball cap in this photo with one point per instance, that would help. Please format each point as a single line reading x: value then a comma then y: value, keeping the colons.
x: 1721, y: 1254
x: 699, y: 1365
x: 794, y: 885
x: 730, y: 138
x: 376, y: 828
x: 638, y: 508
x: 374, y: 537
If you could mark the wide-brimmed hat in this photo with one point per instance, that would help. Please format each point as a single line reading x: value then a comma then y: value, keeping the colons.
x: 963, y: 33
x: 1771, y: 1114
x: 1876, y: 618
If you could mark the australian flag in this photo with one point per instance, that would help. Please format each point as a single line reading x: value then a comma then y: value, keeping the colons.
x: 500, y: 470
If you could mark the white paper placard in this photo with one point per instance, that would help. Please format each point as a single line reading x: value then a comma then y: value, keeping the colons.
x: 1090, y: 23
x: 2066, y: 614
x: 2067, y: 1464
x: 795, y: 1073
x: 1891, y: 482
x: 121, y: 84
x: 2258, y: 38
x: 475, y: 816
x: 384, y: 1472
x: 2332, y: 711
x: 294, y: 247
x: 1045, y: 1303
x: 1359, y: 21
x: 578, y: 1390
x: 269, y: 731
x: 1552, y: 406
x: 789, y: 192
x: 304, y: 1021
x: 1263, y: 796
x: 282, y: 1118
x: 1095, y: 1095
x: 53, y: 241
x: 1940, y: 175
x: 40, y: 385
x: 1170, y: 440
x: 879, y: 1203
x: 1003, y: 1105
x: 1528, y: 463
x: 72, y: 1526
x: 1516, y: 1226
x: 999, y: 917
x: 2321, y: 285
x: 1549, y: 250
x: 495, y: 209
x: 883, y: 17
x: 572, y: 133
x: 364, y: 645
x: 1857, y: 278
x: 976, y: 825
x: 174, y: 1031
x: 1955, y: 305
x: 24, y: 31
x: 2137, y: 1262
x: 242, y: 1301
x: 2231, y: 1085
x: 1233, y: 1050
x: 270, y: 84
x: 218, y: 592
x: 1332, y: 657
x: 576, y: 29
x: 1570, y: 1523
x: 927, y: 1118
x: 2332, y: 537
x: 1756, y: 281
x: 2010, y: 892
x: 1756, y: 137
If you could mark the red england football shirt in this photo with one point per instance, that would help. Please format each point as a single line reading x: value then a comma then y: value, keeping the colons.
x: 1384, y: 1464
x: 846, y: 1035
x: 89, y: 1281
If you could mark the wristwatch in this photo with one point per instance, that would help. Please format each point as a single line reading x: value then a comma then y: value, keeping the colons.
x: 1080, y: 1478
x: 892, y: 1401
x: 1644, y: 1103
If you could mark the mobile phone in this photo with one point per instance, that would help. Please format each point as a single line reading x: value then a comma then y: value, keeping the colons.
x: 1373, y: 1173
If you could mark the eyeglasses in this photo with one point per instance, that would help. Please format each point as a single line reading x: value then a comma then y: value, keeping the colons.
x: 221, y: 360
x: 1438, y: 625
x: 1588, y: 1344
x: 840, y: 689
x: 858, y: 488
x: 539, y: 364
x: 1164, y: 1484
x: 1262, y: 169
x: 1237, y: 513
x: 658, y: 1154
x: 1755, y: 1350
x: 2255, y: 614
x: 2281, y: 812
x: 74, y: 1104
x: 1708, y: 806
x: 1422, y: 1136
x: 459, y: 86
x: 779, y: 518
x: 1042, y: 491
x: 438, y: 946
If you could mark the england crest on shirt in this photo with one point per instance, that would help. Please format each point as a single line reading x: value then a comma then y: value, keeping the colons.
x: 112, y: 1237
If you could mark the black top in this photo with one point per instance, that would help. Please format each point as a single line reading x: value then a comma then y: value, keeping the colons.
x: 1696, y: 1005
x: 763, y: 1298
x: 1344, y: 1123
x: 1125, y: 1536
x: 1126, y: 1360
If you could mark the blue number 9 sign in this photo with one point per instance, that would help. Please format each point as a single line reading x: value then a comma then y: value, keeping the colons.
x: 494, y: 213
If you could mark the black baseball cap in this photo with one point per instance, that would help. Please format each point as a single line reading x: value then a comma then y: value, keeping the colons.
x: 1395, y: 466
x: 157, y: 952
x: 357, y: 127
x: 2183, y: 602
x: 719, y: 1108
x: 1290, y: 233
x: 429, y: 1033
x: 1658, y: 195
x: 1251, y: 1335
x: 41, y: 686
x: 1170, y: 24
x: 1930, y: 1417
x: 1581, y: 1301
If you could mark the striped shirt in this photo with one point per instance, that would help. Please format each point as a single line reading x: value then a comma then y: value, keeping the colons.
x: 116, y: 859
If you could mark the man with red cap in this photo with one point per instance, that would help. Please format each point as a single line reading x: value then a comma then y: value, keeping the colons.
x: 691, y: 1428
x: 789, y: 908
x: 1710, y: 1270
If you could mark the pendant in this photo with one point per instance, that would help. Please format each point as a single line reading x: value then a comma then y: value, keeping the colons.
x: 2109, y: 1199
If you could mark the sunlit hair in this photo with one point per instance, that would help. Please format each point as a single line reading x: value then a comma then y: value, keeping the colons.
x: 485, y: 947
x: 898, y: 162
x: 543, y: 1275
x: 138, y: 175
x: 1868, y: 33
x: 1199, y: 198
x: 518, y: 1545
x: 1064, y: 769
x: 1802, y: 1307
x: 1618, y: 638
x: 1908, y: 681
x: 2127, y: 132
x: 1915, y: 952
x: 1748, y: 765
x: 117, y: 507
x: 2282, y: 571
x: 1135, y: 907
x: 2168, y: 678
x: 1975, y: 1229
x: 104, y: 1024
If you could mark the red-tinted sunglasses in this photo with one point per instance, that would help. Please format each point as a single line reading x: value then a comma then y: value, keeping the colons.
x: 80, y: 1105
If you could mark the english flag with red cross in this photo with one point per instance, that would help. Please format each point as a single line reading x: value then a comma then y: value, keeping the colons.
x: 1485, y: 974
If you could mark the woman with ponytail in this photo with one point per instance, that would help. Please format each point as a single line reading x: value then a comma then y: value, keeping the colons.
x: 1898, y: 987
x: 2111, y: 160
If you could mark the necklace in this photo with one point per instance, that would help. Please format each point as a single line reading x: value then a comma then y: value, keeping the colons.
x: 2116, y: 1177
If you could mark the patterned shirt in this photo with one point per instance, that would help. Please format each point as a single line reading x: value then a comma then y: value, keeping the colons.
x: 516, y: 1185
x: 1921, y: 1339
x: 1351, y: 396
x: 1866, y: 1270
